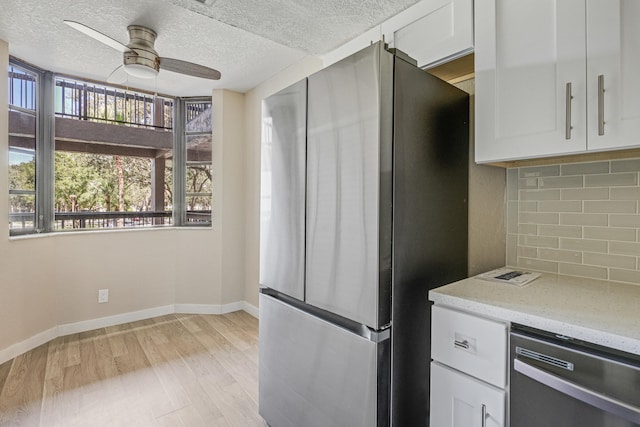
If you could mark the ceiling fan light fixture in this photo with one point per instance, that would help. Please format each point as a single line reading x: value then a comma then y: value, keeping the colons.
x: 140, y: 71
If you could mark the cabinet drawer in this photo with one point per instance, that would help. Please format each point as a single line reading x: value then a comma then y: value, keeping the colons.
x: 470, y: 344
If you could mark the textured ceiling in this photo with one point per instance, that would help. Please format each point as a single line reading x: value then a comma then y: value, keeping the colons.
x: 249, y: 41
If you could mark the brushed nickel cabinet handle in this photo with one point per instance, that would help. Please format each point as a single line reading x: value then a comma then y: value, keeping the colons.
x: 484, y: 415
x: 568, y: 127
x: 601, y: 104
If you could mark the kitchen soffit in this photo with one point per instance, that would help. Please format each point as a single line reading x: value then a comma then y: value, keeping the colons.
x: 249, y: 41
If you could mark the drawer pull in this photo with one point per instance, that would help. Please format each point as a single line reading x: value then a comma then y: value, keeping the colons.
x: 461, y: 344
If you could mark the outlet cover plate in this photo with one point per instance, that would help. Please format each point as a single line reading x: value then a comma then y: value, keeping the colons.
x: 103, y: 295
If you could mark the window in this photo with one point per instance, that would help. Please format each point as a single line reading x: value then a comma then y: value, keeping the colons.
x: 198, y: 138
x: 110, y: 161
x: 22, y: 150
x: 111, y: 151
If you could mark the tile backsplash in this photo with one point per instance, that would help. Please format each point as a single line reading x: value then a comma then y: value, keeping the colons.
x: 580, y: 219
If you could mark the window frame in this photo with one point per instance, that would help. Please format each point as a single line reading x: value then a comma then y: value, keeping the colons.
x: 180, y: 167
x: 44, y: 215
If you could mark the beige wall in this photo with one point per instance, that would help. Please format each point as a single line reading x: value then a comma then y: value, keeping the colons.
x: 253, y: 111
x: 26, y: 307
x: 232, y: 202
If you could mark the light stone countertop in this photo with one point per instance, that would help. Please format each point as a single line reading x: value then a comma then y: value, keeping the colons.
x: 601, y: 312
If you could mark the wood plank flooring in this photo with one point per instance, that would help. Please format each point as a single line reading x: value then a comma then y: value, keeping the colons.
x: 174, y: 370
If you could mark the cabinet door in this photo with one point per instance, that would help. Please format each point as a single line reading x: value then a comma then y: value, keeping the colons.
x: 613, y: 43
x: 527, y: 52
x: 432, y: 31
x: 458, y: 400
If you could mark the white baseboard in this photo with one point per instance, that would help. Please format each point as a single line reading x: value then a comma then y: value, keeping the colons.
x: 251, y: 309
x: 87, y: 325
x: 17, y: 349
x: 209, y: 308
x: 118, y: 319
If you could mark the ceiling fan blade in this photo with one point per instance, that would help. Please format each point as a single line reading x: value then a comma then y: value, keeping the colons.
x: 118, y: 76
x: 103, y: 38
x: 189, y: 68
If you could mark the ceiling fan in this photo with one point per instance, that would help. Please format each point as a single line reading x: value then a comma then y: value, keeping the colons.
x: 140, y: 59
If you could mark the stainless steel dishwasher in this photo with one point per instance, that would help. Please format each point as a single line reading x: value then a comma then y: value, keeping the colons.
x: 558, y: 381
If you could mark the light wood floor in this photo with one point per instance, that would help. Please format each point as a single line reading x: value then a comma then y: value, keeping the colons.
x: 174, y: 370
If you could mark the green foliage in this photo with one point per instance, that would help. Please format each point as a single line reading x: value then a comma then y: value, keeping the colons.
x: 90, y: 182
x: 22, y: 176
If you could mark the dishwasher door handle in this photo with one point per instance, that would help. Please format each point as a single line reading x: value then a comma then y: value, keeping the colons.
x: 590, y: 397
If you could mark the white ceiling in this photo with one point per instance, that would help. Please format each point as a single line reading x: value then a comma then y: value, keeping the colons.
x: 248, y: 41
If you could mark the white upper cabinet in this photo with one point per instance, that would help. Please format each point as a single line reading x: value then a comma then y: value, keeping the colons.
x: 537, y: 68
x: 613, y: 51
x: 528, y: 53
x: 430, y: 31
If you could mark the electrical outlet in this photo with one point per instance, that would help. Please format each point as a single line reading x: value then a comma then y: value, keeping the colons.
x: 103, y: 295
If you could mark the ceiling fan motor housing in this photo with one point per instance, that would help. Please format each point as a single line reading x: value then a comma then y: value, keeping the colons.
x: 143, y: 61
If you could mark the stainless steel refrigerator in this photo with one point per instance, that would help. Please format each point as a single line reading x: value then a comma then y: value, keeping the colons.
x: 363, y: 210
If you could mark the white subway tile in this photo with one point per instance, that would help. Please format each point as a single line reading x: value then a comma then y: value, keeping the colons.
x: 512, y: 249
x: 628, y: 276
x: 625, y: 221
x: 535, y: 171
x: 582, y: 270
x: 528, y: 206
x: 560, y: 206
x: 627, y: 165
x: 606, y: 233
x: 601, y: 193
x: 529, y: 229
x: 605, y: 260
x: 611, y: 180
x: 561, y: 182
x: 584, y: 245
x: 537, y: 264
x: 624, y: 248
x: 560, y: 255
x: 584, y: 168
x: 601, y: 206
x: 512, y: 217
x: 512, y: 184
x: 539, y: 194
x: 625, y: 193
x: 583, y: 219
x: 538, y: 218
x: 538, y: 241
x: 560, y: 230
x: 527, y: 252
x: 528, y: 183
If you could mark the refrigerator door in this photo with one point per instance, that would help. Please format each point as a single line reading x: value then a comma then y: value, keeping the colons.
x: 282, y: 199
x: 316, y: 374
x: 349, y: 187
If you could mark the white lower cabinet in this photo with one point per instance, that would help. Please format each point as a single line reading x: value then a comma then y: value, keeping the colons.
x: 458, y: 400
x: 469, y: 370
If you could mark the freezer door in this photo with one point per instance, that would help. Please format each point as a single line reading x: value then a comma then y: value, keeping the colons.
x: 282, y: 198
x: 316, y: 374
x: 349, y: 187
